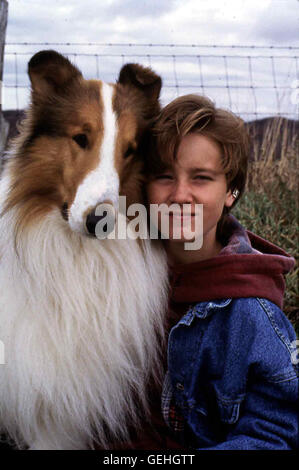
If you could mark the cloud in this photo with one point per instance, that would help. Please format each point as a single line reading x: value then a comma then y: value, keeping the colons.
x: 89, y: 21
x: 279, y: 23
x: 153, y: 21
x: 141, y: 8
x: 210, y: 22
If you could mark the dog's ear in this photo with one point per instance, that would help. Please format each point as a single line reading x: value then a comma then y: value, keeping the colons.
x: 50, y: 71
x: 143, y: 78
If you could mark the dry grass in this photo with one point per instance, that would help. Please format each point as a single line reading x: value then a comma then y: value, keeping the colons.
x: 274, y: 153
x: 270, y: 205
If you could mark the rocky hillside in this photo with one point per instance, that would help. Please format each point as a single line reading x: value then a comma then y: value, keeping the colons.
x: 279, y: 133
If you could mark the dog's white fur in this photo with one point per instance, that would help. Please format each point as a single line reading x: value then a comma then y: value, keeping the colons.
x: 81, y: 330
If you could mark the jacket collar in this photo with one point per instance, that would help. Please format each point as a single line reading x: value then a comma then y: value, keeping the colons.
x: 203, y: 310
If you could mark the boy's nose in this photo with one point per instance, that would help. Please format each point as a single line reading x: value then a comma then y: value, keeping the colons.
x: 181, y: 193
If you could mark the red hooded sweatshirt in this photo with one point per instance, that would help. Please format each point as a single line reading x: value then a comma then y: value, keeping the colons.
x: 247, y: 266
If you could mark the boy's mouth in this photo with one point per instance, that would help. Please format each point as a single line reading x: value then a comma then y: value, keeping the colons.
x: 180, y: 215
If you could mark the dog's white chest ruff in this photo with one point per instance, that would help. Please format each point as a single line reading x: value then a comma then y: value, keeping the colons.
x: 79, y: 319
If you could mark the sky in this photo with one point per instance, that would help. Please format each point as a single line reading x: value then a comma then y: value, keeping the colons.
x: 175, y: 22
x: 273, y: 22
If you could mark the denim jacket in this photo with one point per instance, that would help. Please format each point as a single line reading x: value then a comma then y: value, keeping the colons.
x: 232, y: 380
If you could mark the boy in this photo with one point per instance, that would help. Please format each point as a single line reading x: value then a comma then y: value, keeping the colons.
x: 232, y: 382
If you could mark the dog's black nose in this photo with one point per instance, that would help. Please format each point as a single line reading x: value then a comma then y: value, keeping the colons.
x: 100, y: 225
x: 91, y: 221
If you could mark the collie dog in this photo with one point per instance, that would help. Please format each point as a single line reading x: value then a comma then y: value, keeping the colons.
x: 81, y: 319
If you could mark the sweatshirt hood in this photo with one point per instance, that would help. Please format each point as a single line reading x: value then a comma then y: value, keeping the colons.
x: 247, y: 266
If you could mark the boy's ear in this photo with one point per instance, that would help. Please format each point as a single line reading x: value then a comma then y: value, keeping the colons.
x: 230, y: 199
x: 142, y: 78
x: 49, y: 71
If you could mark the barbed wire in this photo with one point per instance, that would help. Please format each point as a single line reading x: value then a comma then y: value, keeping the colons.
x: 252, y: 84
x: 163, y: 55
x: 110, y: 44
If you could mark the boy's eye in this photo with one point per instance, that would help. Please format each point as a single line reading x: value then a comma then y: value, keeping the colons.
x: 203, y: 177
x: 165, y: 176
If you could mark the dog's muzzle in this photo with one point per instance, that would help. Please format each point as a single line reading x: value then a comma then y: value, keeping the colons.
x: 100, y: 222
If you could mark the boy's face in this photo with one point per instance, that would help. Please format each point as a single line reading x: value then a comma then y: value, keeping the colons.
x: 196, y: 177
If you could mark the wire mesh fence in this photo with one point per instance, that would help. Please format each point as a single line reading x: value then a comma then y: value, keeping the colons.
x: 252, y: 81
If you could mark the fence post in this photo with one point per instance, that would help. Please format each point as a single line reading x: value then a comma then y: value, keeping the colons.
x: 3, y: 23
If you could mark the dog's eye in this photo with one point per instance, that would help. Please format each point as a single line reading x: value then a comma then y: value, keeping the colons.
x: 129, y: 151
x: 81, y: 140
x: 65, y: 211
